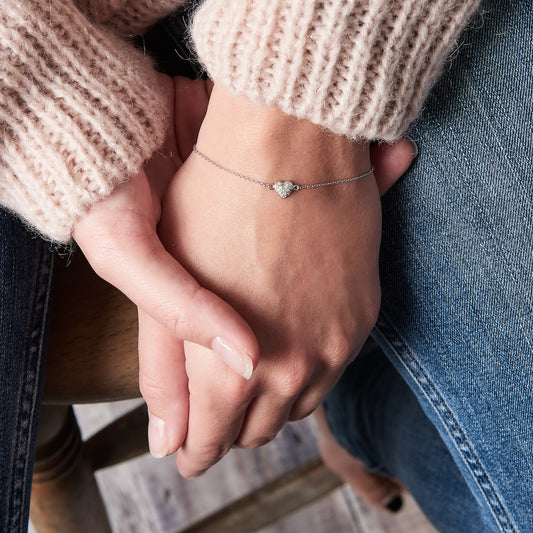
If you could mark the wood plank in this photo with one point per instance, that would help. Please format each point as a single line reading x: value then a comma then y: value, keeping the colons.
x: 275, y: 500
x: 146, y: 495
x: 343, y: 512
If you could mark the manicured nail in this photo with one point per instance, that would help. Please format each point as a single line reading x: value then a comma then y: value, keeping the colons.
x: 413, y: 144
x: 233, y: 357
x: 394, y: 504
x: 157, y: 436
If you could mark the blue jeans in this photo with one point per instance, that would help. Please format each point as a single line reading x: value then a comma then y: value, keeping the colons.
x: 452, y: 416
x: 25, y: 276
x: 450, y: 412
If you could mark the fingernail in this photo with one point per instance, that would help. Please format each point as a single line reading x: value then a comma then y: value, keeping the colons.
x: 413, y: 144
x: 157, y: 436
x: 394, y: 504
x: 233, y: 357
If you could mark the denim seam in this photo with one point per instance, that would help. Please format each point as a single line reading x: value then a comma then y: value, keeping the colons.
x: 398, y: 345
x: 28, y: 403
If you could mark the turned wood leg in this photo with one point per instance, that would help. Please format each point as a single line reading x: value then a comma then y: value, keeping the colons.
x: 65, y: 497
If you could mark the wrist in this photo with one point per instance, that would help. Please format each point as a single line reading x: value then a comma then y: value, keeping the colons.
x: 262, y: 141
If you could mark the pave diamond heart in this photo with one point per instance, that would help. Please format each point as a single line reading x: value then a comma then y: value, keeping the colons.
x: 284, y: 188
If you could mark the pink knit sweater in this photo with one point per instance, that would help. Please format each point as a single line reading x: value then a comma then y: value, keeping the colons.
x: 80, y: 109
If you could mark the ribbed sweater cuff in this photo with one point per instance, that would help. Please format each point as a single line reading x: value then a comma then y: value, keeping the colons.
x: 132, y: 17
x: 80, y: 111
x: 358, y: 68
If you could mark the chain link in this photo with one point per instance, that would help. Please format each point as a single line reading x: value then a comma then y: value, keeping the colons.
x: 272, y: 186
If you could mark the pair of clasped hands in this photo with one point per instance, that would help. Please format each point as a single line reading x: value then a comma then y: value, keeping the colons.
x: 250, y: 306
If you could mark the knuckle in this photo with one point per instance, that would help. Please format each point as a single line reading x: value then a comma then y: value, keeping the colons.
x: 209, y: 454
x: 180, y: 319
x: 152, y: 391
x: 179, y: 324
x: 336, y: 351
x: 237, y: 389
x: 254, y: 443
x: 293, y: 381
x: 305, y: 407
x: 191, y: 474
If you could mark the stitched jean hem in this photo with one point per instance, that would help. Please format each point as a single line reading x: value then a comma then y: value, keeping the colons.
x: 30, y: 395
x: 409, y: 367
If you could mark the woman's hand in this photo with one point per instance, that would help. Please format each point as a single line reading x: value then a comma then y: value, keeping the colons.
x: 118, y: 237
x: 303, y: 271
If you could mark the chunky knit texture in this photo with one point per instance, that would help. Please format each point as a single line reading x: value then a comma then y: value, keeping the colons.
x: 361, y: 68
x: 128, y: 17
x: 80, y: 111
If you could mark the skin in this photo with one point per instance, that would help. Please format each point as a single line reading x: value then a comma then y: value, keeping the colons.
x: 119, y: 238
x: 376, y: 490
x: 292, y: 283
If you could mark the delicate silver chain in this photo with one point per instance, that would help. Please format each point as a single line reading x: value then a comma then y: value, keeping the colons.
x: 232, y: 172
x: 274, y: 186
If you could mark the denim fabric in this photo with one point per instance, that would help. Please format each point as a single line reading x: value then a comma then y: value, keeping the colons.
x: 376, y: 417
x: 456, y: 319
x: 25, y: 274
x: 457, y: 277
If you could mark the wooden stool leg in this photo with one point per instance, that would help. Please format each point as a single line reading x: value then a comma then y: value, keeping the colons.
x: 65, y: 497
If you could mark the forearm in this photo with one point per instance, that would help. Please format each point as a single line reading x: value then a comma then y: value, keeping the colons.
x: 361, y: 69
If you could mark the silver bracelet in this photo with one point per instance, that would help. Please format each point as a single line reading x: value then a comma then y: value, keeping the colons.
x: 283, y: 188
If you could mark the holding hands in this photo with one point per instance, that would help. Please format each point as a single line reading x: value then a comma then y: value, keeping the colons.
x: 119, y: 238
x: 301, y: 272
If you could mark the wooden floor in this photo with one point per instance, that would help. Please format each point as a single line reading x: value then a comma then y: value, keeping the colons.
x: 148, y: 495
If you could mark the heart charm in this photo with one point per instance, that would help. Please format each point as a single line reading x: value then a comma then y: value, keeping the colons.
x: 284, y: 188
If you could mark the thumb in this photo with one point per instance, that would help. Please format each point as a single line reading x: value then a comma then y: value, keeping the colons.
x: 391, y: 161
x: 120, y: 242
